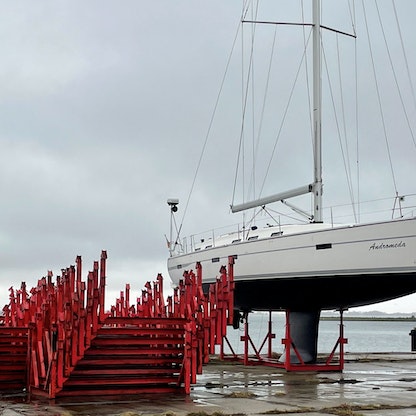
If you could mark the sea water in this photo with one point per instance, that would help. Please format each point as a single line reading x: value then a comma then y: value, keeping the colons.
x: 363, y: 336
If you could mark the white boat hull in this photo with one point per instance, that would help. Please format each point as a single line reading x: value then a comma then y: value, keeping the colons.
x: 323, y: 269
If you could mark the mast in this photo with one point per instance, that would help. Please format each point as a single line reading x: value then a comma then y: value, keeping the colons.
x: 317, y: 100
x: 316, y: 186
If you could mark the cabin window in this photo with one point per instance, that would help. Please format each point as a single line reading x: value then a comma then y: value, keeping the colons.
x: 236, y: 241
x: 253, y: 237
x: 208, y: 246
x: 215, y: 260
x: 197, y: 249
x: 276, y: 234
x: 323, y: 246
x: 179, y: 266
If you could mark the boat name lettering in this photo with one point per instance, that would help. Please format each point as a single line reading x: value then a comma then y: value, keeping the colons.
x: 382, y: 246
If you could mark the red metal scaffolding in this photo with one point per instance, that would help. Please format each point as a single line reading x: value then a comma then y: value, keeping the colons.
x: 77, y: 347
x: 334, y: 361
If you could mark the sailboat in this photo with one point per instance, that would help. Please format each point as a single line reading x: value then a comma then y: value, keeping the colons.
x: 307, y: 268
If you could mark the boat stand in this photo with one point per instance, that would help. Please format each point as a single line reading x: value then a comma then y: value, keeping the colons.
x: 333, y: 362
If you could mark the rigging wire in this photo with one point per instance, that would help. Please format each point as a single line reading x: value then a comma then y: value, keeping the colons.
x: 207, y: 135
x: 240, y: 152
x: 398, y: 198
x: 379, y: 98
x: 394, y: 73
x: 357, y: 129
x: 252, y: 184
x: 240, y: 156
x: 265, y: 96
x: 345, y: 148
x: 284, y: 214
x: 344, y: 152
x: 405, y: 60
x: 285, y: 113
x: 250, y: 74
x: 347, y: 161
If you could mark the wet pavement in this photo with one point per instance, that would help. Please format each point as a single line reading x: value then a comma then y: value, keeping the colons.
x: 371, y: 384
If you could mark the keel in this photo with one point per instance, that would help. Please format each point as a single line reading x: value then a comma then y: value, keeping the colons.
x: 302, y: 329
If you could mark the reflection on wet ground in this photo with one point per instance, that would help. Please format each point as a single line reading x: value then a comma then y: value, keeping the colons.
x: 377, y: 385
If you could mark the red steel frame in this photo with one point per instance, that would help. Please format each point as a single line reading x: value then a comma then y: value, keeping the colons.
x: 64, y: 317
x: 330, y: 363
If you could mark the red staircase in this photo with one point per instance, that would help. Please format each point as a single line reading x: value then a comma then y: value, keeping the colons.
x: 73, y: 347
x: 13, y: 358
x: 131, y: 356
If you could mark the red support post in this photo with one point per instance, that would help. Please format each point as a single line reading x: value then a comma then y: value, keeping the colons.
x: 127, y: 300
x: 82, y: 321
x: 88, y: 323
x: 161, y: 299
x: 95, y: 299
x: 103, y: 271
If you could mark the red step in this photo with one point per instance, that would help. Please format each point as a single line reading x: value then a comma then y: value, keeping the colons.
x: 13, y: 358
x: 136, y: 356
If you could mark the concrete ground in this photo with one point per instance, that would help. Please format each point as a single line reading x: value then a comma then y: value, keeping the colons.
x: 371, y: 384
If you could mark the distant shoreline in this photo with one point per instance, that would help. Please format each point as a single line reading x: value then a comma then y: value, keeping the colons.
x: 368, y: 318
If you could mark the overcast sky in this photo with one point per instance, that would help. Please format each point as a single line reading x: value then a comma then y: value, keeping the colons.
x: 104, y: 109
